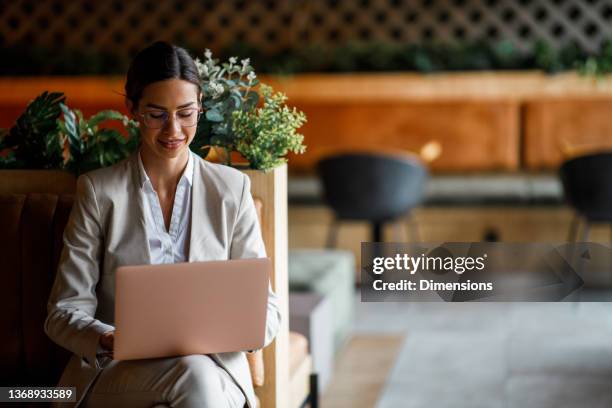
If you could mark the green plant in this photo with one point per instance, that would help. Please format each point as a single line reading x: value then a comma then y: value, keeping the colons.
x: 49, y: 135
x: 227, y: 88
x: 598, y: 65
x: 266, y: 134
x: 31, y: 142
x: 87, y: 146
x: 352, y: 56
x: 233, y: 122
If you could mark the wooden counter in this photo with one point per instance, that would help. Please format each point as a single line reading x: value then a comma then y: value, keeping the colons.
x: 484, y: 121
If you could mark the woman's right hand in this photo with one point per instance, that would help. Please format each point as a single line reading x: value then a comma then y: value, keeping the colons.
x: 107, y: 340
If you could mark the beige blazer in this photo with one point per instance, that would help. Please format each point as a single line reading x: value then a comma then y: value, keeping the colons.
x: 106, y: 229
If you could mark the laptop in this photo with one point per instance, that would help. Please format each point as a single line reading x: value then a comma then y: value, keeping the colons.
x: 190, y: 308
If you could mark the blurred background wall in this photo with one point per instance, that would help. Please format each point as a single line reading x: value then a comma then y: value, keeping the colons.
x: 109, y: 32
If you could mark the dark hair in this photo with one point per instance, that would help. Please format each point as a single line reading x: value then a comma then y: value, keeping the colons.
x: 157, y: 62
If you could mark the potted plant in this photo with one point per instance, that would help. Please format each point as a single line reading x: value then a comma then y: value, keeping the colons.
x: 50, y: 144
x: 233, y: 122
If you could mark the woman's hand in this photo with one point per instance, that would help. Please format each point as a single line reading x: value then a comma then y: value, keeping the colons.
x: 107, y: 342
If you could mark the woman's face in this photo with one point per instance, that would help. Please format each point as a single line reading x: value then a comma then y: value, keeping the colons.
x: 168, y: 113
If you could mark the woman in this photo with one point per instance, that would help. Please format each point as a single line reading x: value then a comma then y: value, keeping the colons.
x: 162, y: 205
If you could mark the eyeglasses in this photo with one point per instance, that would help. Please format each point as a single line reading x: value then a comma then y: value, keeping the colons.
x: 157, y: 119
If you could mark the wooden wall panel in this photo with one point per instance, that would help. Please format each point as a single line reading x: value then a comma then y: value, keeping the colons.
x: 478, y: 118
x: 552, y: 126
x: 89, y: 94
x: 474, y: 135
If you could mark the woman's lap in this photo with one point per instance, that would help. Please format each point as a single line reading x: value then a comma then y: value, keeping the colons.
x: 194, y: 380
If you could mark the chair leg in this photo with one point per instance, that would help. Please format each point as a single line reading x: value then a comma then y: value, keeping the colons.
x: 578, y: 247
x: 377, y: 231
x: 332, y: 235
x: 573, y: 230
x: 584, y: 236
x: 314, y: 391
x: 580, y: 261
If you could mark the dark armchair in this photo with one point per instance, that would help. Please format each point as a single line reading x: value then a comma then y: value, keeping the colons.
x: 587, y: 183
x: 373, y: 187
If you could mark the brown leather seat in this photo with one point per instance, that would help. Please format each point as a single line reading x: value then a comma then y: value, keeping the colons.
x: 30, y: 246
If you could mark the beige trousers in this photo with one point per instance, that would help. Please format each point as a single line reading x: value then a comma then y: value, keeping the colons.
x: 184, y: 382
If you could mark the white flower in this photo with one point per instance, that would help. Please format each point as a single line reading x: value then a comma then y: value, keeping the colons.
x: 202, y: 69
x: 208, y: 54
x: 245, y: 63
x: 232, y: 60
x: 216, y: 88
x: 251, y: 77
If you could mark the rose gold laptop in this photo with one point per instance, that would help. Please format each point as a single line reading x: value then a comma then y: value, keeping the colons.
x: 190, y: 308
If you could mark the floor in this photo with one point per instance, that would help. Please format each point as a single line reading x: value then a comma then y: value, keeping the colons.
x: 362, y: 368
x: 470, y: 355
x: 308, y: 226
x: 490, y: 354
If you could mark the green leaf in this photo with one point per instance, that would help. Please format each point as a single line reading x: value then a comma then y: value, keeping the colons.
x: 237, y: 100
x: 8, y: 160
x: 71, y: 128
x: 28, y: 137
x: 101, y: 116
x: 214, y: 115
x: 221, y: 130
x: 111, y: 135
x: 209, y: 103
x: 252, y: 99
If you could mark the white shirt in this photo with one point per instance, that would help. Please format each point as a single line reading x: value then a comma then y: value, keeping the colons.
x: 170, y: 246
